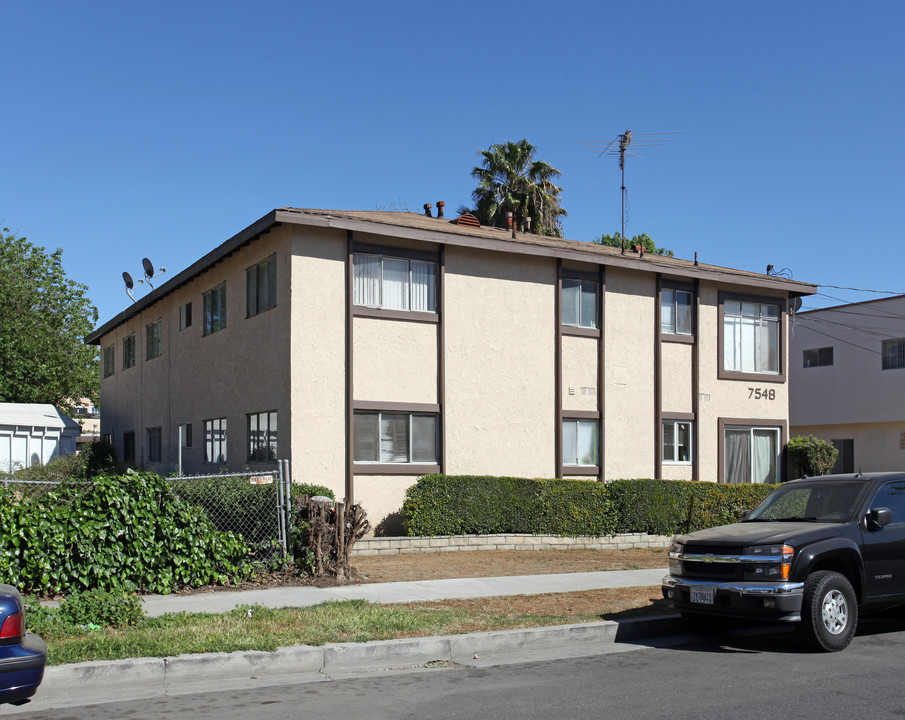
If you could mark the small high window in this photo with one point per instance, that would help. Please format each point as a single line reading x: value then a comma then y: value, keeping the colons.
x: 261, y: 286
x: 579, y: 302
x: 676, y: 441
x: 675, y: 312
x: 129, y: 351
x: 214, y: 310
x: 152, y: 340
x: 894, y: 354
x: 185, y: 316
x: 818, y: 357
x: 109, y: 361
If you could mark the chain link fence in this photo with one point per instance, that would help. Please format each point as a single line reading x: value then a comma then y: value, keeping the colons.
x: 255, y: 505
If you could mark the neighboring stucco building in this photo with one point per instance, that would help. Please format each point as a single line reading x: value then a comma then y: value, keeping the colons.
x: 847, y: 381
x: 450, y: 348
x: 32, y: 434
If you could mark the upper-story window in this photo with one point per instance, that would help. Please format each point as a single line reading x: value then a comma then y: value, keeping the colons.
x: 894, y: 353
x: 261, y: 286
x: 675, y: 312
x: 109, y: 361
x: 214, y: 302
x: 392, y: 283
x: 129, y: 351
x: 580, y: 302
x: 751, y: 332
x: 818, y: 357
x: 185, y: 316
x: 152, y: 338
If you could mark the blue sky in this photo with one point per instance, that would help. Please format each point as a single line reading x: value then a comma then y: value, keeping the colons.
x: 162, y: 129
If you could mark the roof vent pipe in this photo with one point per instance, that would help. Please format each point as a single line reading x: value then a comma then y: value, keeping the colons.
x: 427, y: 209
x: 528, y: 224
x: 440, y: 205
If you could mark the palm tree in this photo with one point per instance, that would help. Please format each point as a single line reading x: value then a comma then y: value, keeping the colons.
x: 511, y: 180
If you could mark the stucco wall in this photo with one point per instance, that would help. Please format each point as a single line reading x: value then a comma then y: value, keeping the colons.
x: 395, y: 361
x: 677, y: 371
x: 580, y: 360
x: 877, y: 446
x: 500, y: 351
x: 230, y: 373
x: 318, y: 358
x: 629, y: 372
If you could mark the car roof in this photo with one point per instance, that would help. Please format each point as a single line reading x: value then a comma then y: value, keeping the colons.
x: 874, y: 477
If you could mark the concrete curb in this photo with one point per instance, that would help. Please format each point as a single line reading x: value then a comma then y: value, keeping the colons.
x: 159, y: 676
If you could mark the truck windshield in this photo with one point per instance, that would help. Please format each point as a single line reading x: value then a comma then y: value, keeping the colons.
x: 828, y: 502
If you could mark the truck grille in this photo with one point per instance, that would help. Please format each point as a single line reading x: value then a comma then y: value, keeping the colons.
x: 701, y: 549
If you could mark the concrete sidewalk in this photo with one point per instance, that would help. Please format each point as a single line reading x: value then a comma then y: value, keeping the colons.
x: 109, y: 681
x: 397, y: 592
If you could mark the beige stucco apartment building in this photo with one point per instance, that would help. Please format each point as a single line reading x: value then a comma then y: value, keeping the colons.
x: 847, y: 373
x: 369, y: 348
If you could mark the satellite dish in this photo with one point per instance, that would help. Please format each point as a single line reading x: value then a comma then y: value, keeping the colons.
x: 148, y: 266
x: 127, y: 278
x: 796, y: 304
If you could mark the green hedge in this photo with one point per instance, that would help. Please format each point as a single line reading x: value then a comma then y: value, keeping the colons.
x: 128, y: 532
x: 466, y: 505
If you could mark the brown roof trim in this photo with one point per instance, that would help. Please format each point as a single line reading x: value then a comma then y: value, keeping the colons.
x: 438, y: 230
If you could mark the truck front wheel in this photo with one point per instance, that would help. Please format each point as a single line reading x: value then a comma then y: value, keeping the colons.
x: 829, y: 611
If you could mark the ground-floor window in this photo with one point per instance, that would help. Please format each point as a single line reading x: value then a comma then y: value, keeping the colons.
x: 396, y: 437
x: 579, y: 442
x: 845, y: 460
x: 215, y: 440
x: 262, y: 436
x: 154, y: 441
x: 751, y: 454
x: 129, y: 448
x: 677, y: 441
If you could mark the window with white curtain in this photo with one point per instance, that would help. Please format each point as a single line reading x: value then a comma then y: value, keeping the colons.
x: 751, y: 337
x: 676, y: 441
x: 579, y: 442
x: 579, y: 302
x: 392, y: 283
x: 393, y: 437
x: 675, y: 312
x: 751, y: 454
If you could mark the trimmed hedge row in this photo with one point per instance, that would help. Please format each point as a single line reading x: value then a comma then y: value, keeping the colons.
x: 466, y: 505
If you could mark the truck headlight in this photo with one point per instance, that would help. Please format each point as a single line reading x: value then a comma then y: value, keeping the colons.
x: 675, y: 564
x: 776, y: 565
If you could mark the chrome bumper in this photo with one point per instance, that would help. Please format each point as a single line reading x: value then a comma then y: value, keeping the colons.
x: 758, y: 589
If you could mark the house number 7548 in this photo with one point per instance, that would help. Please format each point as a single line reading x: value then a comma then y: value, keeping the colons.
x: 761, y: 394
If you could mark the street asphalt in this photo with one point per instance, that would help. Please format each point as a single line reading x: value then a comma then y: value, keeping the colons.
x: 82, y: 683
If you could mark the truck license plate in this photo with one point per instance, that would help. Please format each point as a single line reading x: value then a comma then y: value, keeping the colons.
x: 703, y: 595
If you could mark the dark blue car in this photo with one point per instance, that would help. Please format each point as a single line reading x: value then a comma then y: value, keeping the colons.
x: 22, y: 654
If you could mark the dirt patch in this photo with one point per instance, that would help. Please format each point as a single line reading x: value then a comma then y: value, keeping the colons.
x: 496, y: 563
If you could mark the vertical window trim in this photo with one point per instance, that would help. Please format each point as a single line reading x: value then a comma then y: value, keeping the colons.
x: 722, y: 372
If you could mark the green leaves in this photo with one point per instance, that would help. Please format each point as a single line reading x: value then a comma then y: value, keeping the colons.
x: 122, y: 533
x: 44, y: 317
x: 812, y: 455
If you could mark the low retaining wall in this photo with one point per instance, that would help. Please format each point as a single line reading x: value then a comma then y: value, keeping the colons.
x: 504, y: 541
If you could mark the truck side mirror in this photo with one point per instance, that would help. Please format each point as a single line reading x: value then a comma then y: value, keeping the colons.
x: 745, y: 513
x: 878, y: 517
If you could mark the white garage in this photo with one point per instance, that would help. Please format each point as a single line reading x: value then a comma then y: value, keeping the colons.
x: 32, y: 434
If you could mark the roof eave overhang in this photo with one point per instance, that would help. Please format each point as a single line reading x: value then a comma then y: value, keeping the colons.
x: 648, y: 263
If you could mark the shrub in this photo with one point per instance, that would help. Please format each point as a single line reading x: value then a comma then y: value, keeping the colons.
x: 463, y: 504
x: 126, y: 533
x: 100, y: 607
x: 93, y: 459
x: 811, y: 455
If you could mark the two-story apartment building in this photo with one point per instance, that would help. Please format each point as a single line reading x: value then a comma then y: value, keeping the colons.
x: 847, y: 381
x: 368, y: 348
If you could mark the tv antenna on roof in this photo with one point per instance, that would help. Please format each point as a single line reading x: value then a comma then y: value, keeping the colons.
x: 618, y: 147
